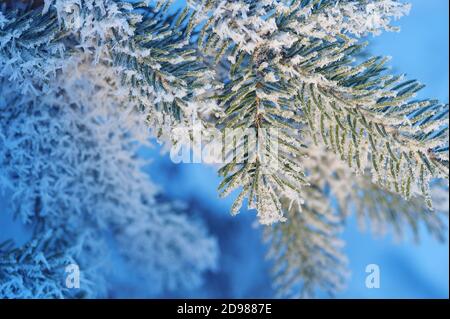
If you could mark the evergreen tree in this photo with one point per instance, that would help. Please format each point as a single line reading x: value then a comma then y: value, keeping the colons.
x: 319, y: 132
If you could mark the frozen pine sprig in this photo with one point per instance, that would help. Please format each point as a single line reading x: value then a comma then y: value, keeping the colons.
x: 330, y: 19
x: 151, y: 52
x: 257, y: 109
x: 92, y: 20
x: 30, y: 51
x: 242, y: 26
x: 382, y: 210
x: 245, y: 25
x: 369, y: 119
x: 38, y: 269
x: 329, y: 129
x: 175, y: 261
x: 309, y: 54
x: 307, y: 249
x: 47, y: 144
x: 70, y: 156
x: 164, y: 72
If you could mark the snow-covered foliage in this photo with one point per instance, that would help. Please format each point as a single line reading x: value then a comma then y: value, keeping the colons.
x: 251, y: 24
x: 153, y: 57
x: 69, y: 157
x: 55, y: 149
x: 383, y: 210
x: 306, y: 250
x: 354, y: 18
x: 38, y: 268
x: 175, y: 249
x: 29, y: 52
x: 85, y: 83
x: 293, y: 67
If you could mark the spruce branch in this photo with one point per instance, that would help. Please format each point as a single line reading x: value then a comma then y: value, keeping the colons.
x: 31, y: 50
x: 151, y: 51
x: 70, y: 155
x: 252, y: 104
x: 383, y: 210
x: 306, y: 250
x: 369, y: 120
x: 37, y: 269
x: 163, y: 71
x: 299, y: 57
x: 330, y: 129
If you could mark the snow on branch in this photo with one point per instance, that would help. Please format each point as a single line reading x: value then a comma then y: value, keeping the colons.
x: 70, y: 156
x: 85, y: 83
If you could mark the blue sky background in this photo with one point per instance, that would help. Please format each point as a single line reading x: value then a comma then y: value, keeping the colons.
x: 407, y: 270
